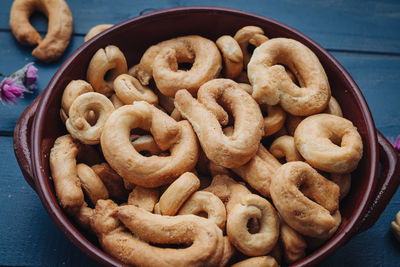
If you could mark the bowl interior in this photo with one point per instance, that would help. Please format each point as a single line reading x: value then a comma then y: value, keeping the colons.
x: 133, y: 37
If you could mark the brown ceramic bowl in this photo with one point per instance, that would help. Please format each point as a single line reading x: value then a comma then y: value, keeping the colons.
x: 40, y: 124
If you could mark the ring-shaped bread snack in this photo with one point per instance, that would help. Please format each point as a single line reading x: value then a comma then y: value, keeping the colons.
x: 306, y: 201
x: 202, y: 202
x: 260, y: 261
x: 96, y: 30
x: 79, y: 127
x: 145, y: 198
x: 294, y: 245
x: 177, y: 193
x: 161, y: 62
x: 129, y: 89
x: 232, y: 54
x: 284, y: 146
x: 207, y: 243
x: 249, y: 34
x: 151, y: 171
x: 59, y: 27
x: 145, y: 143
x: 272, y: 85
x: 106, y: 65
x: 343, y: 181
x: 253, y: 244
x: 329, y: 143
x: 207, y: 116
x: 91, y: 183
x: 274, y: 120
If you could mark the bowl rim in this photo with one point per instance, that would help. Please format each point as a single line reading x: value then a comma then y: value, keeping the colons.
x: 74, y: 235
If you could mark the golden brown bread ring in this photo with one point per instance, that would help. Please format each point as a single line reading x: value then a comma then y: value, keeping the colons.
x: 129, y: 89
x: 96, y: 30
x: 274, y: 120
x: 306, y: 201
x: 79, y: 127
x: 207, y: 243
x: 272, y: 85
x: 232, y: 54
x: 144, y: 198
x: 343, y: 181
x: 260, y: 261
x: 329, y: 143
x: 91, y: 183
x: 205, y: 202
x: 177, y: 193
x: 284, y: 146
x: 206, y: 117
x: 161, y: 61
x: 152, y: 171
x: 294, y: 245
x: 145, y: 143
x: 59, y: 27
x: 249, y: 34
x: 106, y: 65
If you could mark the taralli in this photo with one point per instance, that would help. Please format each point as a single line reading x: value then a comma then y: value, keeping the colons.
x: 83, y: 217
x: 247, y: 87
x: 229, y: 251
x: 202, y: 202
x: 64, y: 173
x: 161, y: 61
x: 144, y: 198
x: 272, y: 85
x: 79, y: 127
x: 177, y: 193
x: 59, y: 27
x: 259, y: 171
x: 116, y: 101
x: 232, y: 54
x: 152, y: 171
x: 106, y: 65
x: 207, y: 116
x: 207, y: 243
x: 343, y: 181
x: 91, y: 183
x: 249, y: 34
x: 306, y: 200
x: 261, y: 261
x: 284, y: 146
x: 274, y: 120
x: 145, y: 143
x: 329, y: 143
x: 294, y: 245
x: 112, y: 181
x: 129, y: 89
x: 96, y: 30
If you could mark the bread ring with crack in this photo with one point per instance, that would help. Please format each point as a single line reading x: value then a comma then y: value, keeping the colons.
x: 272, y: 85
x: 129, y: 89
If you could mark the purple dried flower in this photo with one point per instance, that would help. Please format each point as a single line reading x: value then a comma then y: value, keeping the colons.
x: 9, y: 90
x: 21, y: 81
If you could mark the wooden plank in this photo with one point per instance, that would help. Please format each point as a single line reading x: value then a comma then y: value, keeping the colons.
x: 350, y: 25
x: 28, y: 236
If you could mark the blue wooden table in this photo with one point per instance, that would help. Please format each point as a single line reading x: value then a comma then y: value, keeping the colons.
x: 364, y: 36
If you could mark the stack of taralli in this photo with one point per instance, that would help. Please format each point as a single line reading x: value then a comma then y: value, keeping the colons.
x: 201, y: 166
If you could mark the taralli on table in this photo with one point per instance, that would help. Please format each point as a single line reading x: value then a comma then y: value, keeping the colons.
x: 129, y: 89
x: 144, y: 198
x: 284, y: 146
x: 306, y: 201
x: 249, y: 34
x: 261, y: 261
x: 202, y: 202
x: 152, y: 171
x: 91, y: 183
x: 272, y: 85
x: 232, y: 54
x: 79, y: 127
x: 96, y: 30
x: 59, y: 27
x: 177, y: 193
x: 161, y: 63
x: 207, y: 243
x: 206, y: 116
x: 112, y: 181
x: 329, y: 143
x: 106, y: 65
